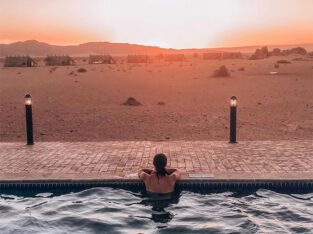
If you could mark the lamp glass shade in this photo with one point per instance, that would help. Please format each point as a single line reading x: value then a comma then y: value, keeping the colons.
x: 233, y: 101
x: 28, y: 100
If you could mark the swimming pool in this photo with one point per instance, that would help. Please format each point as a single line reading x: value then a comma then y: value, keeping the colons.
x: 109, y: 210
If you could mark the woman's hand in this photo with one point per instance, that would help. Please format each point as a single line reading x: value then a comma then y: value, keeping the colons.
x: 174, y: 174
x: 144, y: 173
x: 148, y: 171
x: 171, y: 170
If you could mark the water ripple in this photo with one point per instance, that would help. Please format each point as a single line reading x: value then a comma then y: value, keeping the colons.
x: 108, y: 210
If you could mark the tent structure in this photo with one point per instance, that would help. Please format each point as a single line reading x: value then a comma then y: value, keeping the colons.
x: 174, y: 57
x: 19, y: 61
x: 101, y: 59
x: 222, y: 55
x: 232, y: 55
x: 212, y: 56
x: 63, y: 60
x: 137, y: 58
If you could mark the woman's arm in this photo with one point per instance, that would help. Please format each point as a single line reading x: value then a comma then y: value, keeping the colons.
x: 170, y: 170
x: 175, y: 175
x: 148, y: 171
x: 143, y: 173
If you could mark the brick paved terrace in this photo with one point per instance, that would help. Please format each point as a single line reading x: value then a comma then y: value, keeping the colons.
x: 200, y: 160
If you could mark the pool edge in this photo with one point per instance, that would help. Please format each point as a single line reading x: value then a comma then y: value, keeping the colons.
x: 135, y: 183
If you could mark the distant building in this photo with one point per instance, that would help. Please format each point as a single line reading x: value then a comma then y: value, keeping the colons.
x: 137, y: 58
x: 63, y: 60
x: 222, y: 55
x: 212, y: 56
x: 101, y: 59
x: 19, y: 61
x: 231, y: 55
x: 174, y: 57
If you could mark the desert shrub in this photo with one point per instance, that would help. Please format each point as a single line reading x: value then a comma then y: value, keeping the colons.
x: 221, y: 72
x: 276, y: 65
x: 283, y: 61
x: 131, y: 101
x: 53, y: 69
x: 301, y: 59
x: 241, y: 69
x: 81, y: 70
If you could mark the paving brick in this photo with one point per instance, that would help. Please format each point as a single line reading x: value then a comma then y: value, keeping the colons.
x: 249, y: 160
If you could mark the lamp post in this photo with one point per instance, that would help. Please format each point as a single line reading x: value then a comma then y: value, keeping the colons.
x: 233, y: 119
x: 29, y: 119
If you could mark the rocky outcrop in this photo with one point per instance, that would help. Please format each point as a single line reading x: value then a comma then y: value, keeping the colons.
x: 260, y: 53
x: 265, y: 53
x: 276, y: 52
x: 297, y: 50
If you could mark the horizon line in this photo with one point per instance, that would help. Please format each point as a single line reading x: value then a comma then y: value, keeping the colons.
x: 167, y: 48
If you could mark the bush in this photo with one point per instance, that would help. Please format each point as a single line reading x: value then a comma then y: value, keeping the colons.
x: 81, y: 70
x: 131, y: 101
x: 283, y: 61
x: 301, y: 59
x: 221, y: 72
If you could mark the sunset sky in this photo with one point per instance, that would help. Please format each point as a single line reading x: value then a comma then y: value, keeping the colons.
x: 165, y: 23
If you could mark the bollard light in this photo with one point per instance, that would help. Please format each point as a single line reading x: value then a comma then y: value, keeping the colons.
x: 29, y: 119
x: 233, y: 101
x: 233, y: 120
x: 28, y: 99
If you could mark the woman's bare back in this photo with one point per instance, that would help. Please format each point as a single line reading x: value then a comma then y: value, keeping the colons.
x: 161, y: 184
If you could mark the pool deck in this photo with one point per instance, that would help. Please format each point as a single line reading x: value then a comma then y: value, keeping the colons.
x: 120, y: 160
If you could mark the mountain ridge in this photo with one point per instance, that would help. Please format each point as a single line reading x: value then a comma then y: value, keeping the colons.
x: 37, y: 48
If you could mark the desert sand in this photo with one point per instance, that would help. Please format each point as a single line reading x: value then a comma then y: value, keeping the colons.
x: 180, y: 101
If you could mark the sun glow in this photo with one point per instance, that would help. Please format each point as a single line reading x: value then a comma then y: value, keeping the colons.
x: 175, y: 23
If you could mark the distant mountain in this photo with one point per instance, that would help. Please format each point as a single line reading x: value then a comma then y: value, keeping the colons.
x: 36, y: 48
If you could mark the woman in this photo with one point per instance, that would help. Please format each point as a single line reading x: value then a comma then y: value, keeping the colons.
x: 160, y: 180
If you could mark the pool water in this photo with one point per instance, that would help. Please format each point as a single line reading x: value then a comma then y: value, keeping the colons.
x: 108, y: 210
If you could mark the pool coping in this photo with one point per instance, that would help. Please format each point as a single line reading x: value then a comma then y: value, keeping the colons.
x: 135, y: 183
x: 202, y: 163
